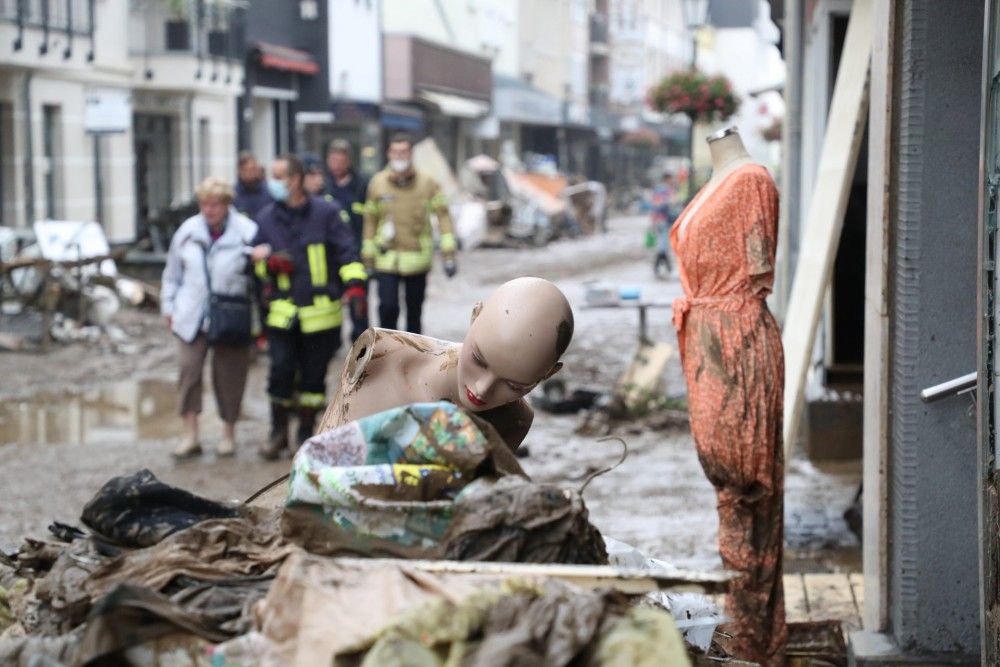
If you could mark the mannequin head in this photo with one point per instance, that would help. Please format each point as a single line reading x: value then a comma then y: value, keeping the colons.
x: 726, y: 147
x: 514, y: 342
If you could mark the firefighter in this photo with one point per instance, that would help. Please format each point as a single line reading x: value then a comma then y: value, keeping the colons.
x: 306, y: 260
x: 397, y: 239
x: 349, y: 188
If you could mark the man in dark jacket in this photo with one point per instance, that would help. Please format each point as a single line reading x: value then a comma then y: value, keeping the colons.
x: 350, y: 190
x: 307, y: 261
x: 251, y: 192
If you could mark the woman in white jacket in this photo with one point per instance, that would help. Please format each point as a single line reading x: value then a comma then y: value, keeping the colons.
x: 220, y: 237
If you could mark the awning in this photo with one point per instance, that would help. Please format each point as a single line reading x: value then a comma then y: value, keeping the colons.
x: 517, y: 101
x: 285, y: 58
x: 454, y: 105
x: 401, y: 117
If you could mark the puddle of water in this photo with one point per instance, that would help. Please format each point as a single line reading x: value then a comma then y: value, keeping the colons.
x: 116, y: 412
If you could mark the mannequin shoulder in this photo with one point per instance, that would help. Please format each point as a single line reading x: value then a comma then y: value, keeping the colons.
x: 377, y: 346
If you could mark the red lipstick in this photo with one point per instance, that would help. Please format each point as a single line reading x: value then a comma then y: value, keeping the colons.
x: 475, y: 400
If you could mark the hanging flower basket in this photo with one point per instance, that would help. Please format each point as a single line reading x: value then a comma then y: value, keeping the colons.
x: 773, y: 131
x: 700, y: 97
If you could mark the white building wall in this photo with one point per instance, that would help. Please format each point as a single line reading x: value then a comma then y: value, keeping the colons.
x: 487, y: 28
x: 578, y: 61
x: 749, y: 57
x: 30, y: 81
x: 549, y: 32
x: 648, y: 40
x: 355, y: 65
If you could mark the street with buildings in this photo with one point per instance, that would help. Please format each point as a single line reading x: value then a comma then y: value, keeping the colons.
x: 763, y: 232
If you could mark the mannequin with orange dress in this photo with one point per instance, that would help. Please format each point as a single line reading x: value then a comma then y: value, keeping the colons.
x: 733, y: 361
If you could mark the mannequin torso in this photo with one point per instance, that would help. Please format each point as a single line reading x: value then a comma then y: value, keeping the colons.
x: 728, y: 154
x: 387, y: 368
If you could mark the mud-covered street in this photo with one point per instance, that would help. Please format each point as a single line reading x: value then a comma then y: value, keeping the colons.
x: 73, y: 418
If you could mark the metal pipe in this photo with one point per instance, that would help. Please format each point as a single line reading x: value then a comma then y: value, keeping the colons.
x: 98, y: 182
x: 950, y: 388
x: 19, y: 42
x: 791, y: 170
x: 68, y: 51
x: 29, y: 151
x: 90, y: 29
x: 44, y: 47
x: 190, y: 142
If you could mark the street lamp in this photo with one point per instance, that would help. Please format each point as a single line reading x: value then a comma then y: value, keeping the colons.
x: 695, y: 16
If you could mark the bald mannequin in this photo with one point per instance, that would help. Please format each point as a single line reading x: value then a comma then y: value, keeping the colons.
x: 514, y: 341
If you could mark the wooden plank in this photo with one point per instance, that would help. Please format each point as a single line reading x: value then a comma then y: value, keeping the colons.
x: 625, y: 580
x: 875, y: 541
x: 640, y: 381
x: 858, y: 589
x: 42, y: 263
x: 830, y: 597
x: 824, y: 221
x: 796, y: 603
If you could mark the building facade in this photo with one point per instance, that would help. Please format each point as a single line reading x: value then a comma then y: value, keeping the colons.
x: 96, y: 127
x: 919, y: 236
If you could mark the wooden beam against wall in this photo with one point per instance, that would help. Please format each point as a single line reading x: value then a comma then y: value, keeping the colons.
x: 825, y: 218
x: 875, y: 541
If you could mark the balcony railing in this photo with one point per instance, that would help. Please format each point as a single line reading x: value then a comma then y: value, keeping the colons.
x: 63, y: 16
x: 204, y: 28
x: 598, y: 95
x: 598, y: 29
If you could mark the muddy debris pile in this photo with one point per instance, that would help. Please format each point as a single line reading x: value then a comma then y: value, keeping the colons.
x: 602, y: 413
x: 59, y: 282
x: 157, y: 573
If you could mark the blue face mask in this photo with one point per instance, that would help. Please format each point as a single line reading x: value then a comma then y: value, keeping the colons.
x: 277, y: 189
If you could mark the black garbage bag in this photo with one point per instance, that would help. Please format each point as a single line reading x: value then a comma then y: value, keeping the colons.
x: 139, y: 510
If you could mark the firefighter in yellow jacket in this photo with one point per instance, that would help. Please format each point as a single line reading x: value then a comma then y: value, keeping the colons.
x: 398, y: 241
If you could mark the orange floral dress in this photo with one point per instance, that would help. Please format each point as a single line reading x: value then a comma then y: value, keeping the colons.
x: 733, y: 361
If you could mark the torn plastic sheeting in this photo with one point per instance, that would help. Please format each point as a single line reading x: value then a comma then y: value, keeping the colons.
x: 696, y: 615
x: 541, y: 190
x: 427, y: 158
x: 69, y: 241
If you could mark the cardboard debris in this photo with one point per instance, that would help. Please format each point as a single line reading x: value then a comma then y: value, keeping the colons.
x: 641, y: 380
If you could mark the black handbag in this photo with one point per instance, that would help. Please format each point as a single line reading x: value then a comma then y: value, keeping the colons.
x: 229, y: 316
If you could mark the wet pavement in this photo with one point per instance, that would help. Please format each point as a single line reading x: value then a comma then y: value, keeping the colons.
x: 78, y: 416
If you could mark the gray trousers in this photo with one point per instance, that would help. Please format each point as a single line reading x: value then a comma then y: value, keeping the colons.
x: 229, y: 376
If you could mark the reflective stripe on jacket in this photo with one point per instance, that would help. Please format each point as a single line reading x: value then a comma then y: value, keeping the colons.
x: 325, y: 259
x: 398, y: 235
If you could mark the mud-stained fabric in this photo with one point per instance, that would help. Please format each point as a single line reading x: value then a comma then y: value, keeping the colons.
x: 733, y: 361
x: 312, y: 594
x: 527, y: 625
x: 517, y: 521
x: 210, y: 551
x: 132, y: 615
x: 385, y: 484
x: 35, y: 651
x: 139, y: 510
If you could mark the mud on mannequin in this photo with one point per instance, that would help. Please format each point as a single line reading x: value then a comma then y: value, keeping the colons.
x: 514, y: 341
